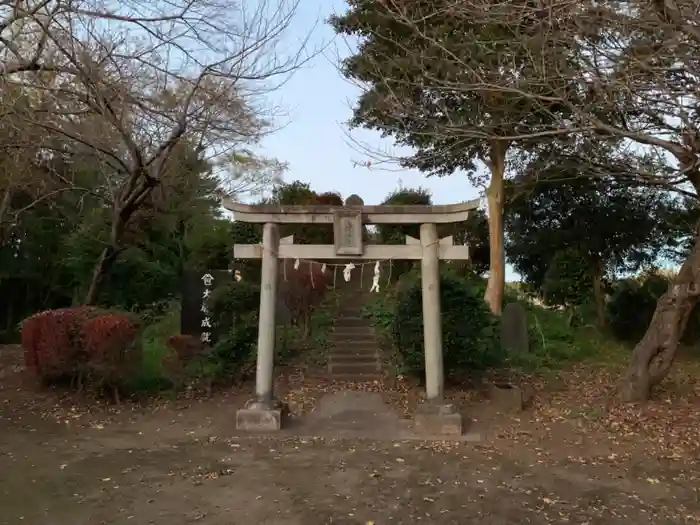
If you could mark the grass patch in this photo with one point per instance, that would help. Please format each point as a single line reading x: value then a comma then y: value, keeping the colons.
x: 553, y: 343
x: 152, y: 377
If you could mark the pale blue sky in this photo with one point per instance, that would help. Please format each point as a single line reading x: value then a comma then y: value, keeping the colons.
x: 315, y: 143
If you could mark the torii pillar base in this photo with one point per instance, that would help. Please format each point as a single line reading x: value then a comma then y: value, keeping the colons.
x: 262, y: 417
x: 437, y: 419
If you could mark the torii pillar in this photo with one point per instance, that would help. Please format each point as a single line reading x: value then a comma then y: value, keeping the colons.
x: 432, y: 322
x: 434, y: 417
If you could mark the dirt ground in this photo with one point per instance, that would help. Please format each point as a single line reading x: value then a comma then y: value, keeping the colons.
x: 65, y: 463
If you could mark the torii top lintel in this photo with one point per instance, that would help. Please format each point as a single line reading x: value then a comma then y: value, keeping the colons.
x: 324, y: 214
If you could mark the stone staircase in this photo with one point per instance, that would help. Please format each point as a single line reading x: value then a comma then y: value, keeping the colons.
x: 355, y: 354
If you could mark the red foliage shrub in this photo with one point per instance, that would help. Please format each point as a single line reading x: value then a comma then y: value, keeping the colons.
x: 186, y: 347
x: 52, y: 341
x: 81, y: 343
x: 329, y: 198
x: 108, y: 333
x: 111, y: 353
x: 184, y: 350
x: 302, y: 290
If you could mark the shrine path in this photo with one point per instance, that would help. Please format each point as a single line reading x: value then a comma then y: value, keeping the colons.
x: 180, y: 463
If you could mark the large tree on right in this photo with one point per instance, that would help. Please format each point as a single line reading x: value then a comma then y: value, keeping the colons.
x: 456, y: 116
x: 622, y: 72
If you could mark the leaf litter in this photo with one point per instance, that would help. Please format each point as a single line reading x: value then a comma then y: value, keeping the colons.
x: 579, y: 425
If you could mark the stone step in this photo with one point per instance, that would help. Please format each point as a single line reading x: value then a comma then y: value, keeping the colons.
x: 357, y: 378
x: 352, y: 330
x: 351, y: 312
x: 361, y: 346
x: 355, y: 345
x: 353, y: 358
x: 354, y: 368
x: 348, y: 321
x: 355, y: 350
x: 353, y: 339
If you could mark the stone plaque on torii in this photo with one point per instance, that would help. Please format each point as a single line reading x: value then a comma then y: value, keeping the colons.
x: 264, y: 412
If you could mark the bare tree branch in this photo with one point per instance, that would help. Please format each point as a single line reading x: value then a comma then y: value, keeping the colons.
x: 126, y: 83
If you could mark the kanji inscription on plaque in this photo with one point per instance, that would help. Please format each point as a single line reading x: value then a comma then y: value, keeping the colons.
x: 347, y: 230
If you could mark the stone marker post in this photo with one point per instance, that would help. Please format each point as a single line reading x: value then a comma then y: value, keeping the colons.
x: 514, y: 333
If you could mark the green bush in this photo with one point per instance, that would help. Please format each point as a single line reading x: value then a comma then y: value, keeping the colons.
x: 471, y: 341
x: 153, y: 375
x: 655, y: 285
x: 313, y: 348
x: 469, y: 330
x: 233, y: 356
x: 567, y: 281
x: 232, y: 302
x: 632, y: 307
x: 630, y: 310
x: 380, y: 310
x: 234, y: 311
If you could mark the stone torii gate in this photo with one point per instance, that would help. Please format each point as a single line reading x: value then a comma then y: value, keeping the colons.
x: 264, y: 412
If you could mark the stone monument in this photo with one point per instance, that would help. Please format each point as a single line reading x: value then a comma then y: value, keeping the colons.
x: 514, y: 334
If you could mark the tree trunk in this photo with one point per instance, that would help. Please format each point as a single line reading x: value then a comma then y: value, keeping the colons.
x: 133, y: 198
x: 570, y: 318
x: 98, y: 275
x: 4, y: 208
x: 106, y: 260
x: 494, y: 196
x: 599, y: 296
x: 653, y: 356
